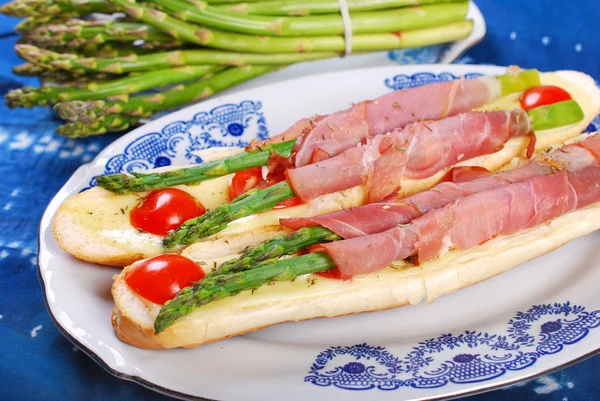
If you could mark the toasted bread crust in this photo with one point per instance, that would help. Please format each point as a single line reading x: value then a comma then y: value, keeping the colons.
x: 81, y: 244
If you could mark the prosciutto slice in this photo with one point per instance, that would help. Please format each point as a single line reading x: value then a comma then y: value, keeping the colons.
x: 419, y: 150
x: 377, y: 217
x: 470, y: 221
x: 349, y: 127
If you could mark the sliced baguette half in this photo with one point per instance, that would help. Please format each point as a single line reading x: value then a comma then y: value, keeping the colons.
x: 314, y: 296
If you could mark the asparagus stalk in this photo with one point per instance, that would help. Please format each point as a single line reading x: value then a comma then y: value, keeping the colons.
x: 134, y: 62
x: 137, y: 182
x: 114, y: 123
x: 556, y: 115
x: 220, y: 286
x: 44, y: 58
x: 107, y: 50
x: 144, y: 106
x: 28, y: 69
x: 260, y: 200
x: 254, y: 201
x: 395, y: 20
x: 316, y: 7
x: 275, y: 248
x: 29, y: 97
x: 517, y: 82
x: 32, y: 23
x: 44, y: 8
x: 217, y: 2
x: 62, y: 77
x: 79, y: 33
x: 245, y: 43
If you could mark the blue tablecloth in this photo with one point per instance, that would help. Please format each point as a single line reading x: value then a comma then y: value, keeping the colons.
x: 37, y: 362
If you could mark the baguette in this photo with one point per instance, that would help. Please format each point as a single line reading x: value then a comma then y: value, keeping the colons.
x: 398, y: 285
x: 94, y: 225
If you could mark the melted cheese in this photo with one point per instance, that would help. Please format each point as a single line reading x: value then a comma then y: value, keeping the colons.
x: 106, y: 214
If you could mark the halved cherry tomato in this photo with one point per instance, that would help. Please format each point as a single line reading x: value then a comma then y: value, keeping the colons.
x: 543, y: 95
x: 164, y: 210
x: 160, y: 278
x: 333, y: 273
x: 245, y: 180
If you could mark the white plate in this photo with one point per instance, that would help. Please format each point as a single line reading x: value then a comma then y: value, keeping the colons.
x: 530, y: 320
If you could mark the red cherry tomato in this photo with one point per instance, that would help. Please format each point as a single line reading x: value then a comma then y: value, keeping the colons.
x: 543, y: 95
x: 243, y: 181
x: 160, y: 278
x: 333, y: 273
x: 164, y: 210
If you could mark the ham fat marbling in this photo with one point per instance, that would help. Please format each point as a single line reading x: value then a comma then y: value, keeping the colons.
x: 377, y: 217
x: 326, y: 136
x: 343, y: 129
x: 471, y: 220
x: 418, y: 151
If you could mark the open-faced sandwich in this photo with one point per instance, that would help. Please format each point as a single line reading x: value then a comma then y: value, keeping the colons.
x: 402, y: 198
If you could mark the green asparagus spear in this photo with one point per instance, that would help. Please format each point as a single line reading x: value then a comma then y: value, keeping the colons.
x: 260, y: 200
x: 276, y: 247
x: 134, y: 63
x: 220, y: 286
x: 28, y: 69
x: 44, y: 8
x: 78, y: 33
x: 29, y: 97
x: 245, y: 43
x: 144, y: 106
x: 517, y: 82
x: 254, y: 201
x: 114, y: 123
x: 556, y: 115
x: 32, y: 23
x: 396, y: 20
x: 62, y: 77
x: 316, y: 7
x: 211, y: 2
x: 43, y: 57
x: 137, y: 182
x: 108, y: 50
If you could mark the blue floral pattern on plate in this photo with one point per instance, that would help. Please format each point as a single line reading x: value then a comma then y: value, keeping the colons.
x: 403, y: 81
x: 468, y: 357
x: 225, y: 125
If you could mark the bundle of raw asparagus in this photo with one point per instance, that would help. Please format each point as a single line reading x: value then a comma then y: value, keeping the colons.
x: 98, y: 57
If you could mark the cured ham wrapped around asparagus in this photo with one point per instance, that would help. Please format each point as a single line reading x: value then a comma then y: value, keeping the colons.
x: 327, y: 136
x: 341, y: 130
x: 418, y: 151
x: 377, y: 217
x: 470, y: 221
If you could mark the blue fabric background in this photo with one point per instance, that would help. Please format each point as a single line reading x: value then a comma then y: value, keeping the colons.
x: 37, y: 362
